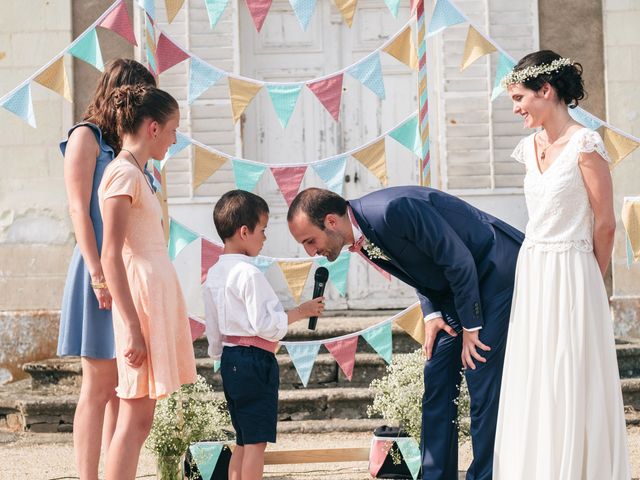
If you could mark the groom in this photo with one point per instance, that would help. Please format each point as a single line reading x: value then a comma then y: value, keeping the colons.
x: 461, y: 261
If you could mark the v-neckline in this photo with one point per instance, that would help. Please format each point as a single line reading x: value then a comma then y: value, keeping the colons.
x: 535, y: 152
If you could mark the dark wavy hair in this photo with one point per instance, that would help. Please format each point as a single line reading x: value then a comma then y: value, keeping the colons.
x: 118, y: 73
x: 567, y: 81
x: 133, y: 103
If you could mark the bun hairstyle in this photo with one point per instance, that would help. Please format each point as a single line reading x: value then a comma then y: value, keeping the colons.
x: 566, y: 80
x: 133, y: 103
x: 119, y: 72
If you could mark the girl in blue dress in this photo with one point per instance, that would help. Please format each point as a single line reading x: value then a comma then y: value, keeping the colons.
x: 86, y: 328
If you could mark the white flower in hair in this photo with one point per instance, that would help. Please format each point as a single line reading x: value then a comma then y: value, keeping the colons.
x: 521, y: 76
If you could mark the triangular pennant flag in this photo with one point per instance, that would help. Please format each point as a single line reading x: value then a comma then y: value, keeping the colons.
x: 374, y: 158
x: 629, y: 251
x: 408, y: 135
x: 332, y: 173
x: 289, y: 180
x: 296, y: 274
x: 338, y: 270
x: 583, y: 117
x: 412, y: 322
x: 369, y: 72
x: 410, y: 453
x: 209, y: 255
x: 148, y: 6
x: 284, y: 99
x: 618, y: 146
x: 241, y: 93
x: 182, y: 142
x: 379, y: 337
x: 347, y: 9
x: 262, y: 262
x: 444, y: 15
x: 216, y: 365
x: 393, y: 6
x: 151, y: 60
x: 21, y: 104
x: 173, y: 7
x: 87, y: 49
x: 631, y: 222
x: 344, y: 351
x: 303, y: 356
x: 403, y: 49
x: 206, y: 455
x: 382, y: 272
x: 246, y: 174
x: 377, y: 456
x: 303, y: 10
x: 55, y: 78
x: 258, y: 10
x: 206, y: 163
x: 197, y: 328
x: 329, y: 92
x: 505, y: 65
x: 118, y: 21
x: 157, y: 175
x: 475, y: 47
x: 215, y: 9
x: 201, y: 77
x: 179, y: 237
x: 168, y: 53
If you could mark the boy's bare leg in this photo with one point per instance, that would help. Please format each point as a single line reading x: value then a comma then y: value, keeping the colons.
x: 235, y: 465
x: 253, y: 461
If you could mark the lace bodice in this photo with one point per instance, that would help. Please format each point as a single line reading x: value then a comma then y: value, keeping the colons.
x: 560, y: 215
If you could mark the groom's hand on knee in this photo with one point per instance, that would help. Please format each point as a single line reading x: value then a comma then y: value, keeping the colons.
x: 431, y: 329
x: 470, y: 343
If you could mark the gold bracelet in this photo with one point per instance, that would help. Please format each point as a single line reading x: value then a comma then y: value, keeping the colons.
x: 99, y: 285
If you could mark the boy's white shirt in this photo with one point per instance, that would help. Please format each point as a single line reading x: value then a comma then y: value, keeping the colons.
x: 239, y: 301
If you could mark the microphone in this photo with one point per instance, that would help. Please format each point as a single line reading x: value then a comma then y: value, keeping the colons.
x: 321, y: 276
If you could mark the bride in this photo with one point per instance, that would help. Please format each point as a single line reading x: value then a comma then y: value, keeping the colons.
x: 561, y: 415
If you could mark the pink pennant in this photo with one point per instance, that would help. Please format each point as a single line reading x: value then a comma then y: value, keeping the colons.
x: 118, y: 21
x: 344, y: 351
x: 259, y: 10
x: 197, y: 328
x: 289, y: 180
x: 168, y: 53
x: 329, y: 92
x: 384, y: 273
x: 209, y: 255
x: 378, y: 453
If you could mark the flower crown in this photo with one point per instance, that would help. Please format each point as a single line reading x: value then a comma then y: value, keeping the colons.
x: 521, y: 76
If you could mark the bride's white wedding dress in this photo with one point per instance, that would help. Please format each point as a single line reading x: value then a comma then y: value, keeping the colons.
x: 561, y: 415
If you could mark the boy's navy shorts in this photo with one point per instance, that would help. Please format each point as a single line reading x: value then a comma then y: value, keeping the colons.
x: 250, y: 379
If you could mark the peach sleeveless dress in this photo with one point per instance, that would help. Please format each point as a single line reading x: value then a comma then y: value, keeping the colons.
x: 155, y: 290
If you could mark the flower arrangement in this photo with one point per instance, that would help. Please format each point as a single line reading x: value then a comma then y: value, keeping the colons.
x: 373, y: 251
x: 189, y: 415
x: 398, y: 395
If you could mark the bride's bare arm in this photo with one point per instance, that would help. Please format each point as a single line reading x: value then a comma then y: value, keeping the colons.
x: 597, y: 180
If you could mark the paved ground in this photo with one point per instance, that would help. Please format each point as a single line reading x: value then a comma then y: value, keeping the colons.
x: 50, y: 457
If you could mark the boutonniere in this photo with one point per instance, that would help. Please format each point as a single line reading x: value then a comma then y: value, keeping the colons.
x: 374, y: 252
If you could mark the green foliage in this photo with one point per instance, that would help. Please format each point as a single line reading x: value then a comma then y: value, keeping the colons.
x: 398, y: 395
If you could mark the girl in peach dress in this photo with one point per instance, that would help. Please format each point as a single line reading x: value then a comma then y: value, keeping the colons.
x: 154, y: 352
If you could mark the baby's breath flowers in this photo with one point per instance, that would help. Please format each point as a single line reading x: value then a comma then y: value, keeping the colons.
x: 521, y: 76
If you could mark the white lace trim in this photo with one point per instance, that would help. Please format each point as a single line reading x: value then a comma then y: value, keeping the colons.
x: 591, y: 141
x: 543, y: 246
x: 518, y: 152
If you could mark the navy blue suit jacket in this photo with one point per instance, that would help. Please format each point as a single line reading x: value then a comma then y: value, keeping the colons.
x: 456, y: 256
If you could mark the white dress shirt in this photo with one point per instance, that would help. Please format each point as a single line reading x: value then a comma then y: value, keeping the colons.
x: 239, y: 301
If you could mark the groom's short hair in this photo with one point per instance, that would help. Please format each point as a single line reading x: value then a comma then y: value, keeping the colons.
x: 317, y: 203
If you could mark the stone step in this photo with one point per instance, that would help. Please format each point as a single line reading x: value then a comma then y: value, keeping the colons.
x: 46, y: 411
x: 332, y: 327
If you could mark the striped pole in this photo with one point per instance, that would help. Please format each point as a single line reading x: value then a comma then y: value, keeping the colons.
x: 423, y: 102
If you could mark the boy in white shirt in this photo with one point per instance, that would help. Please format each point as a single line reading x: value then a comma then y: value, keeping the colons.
x: 245, y: 320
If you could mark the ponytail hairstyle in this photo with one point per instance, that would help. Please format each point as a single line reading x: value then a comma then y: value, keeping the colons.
x: 119, y: 72
x: 133, y: 103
